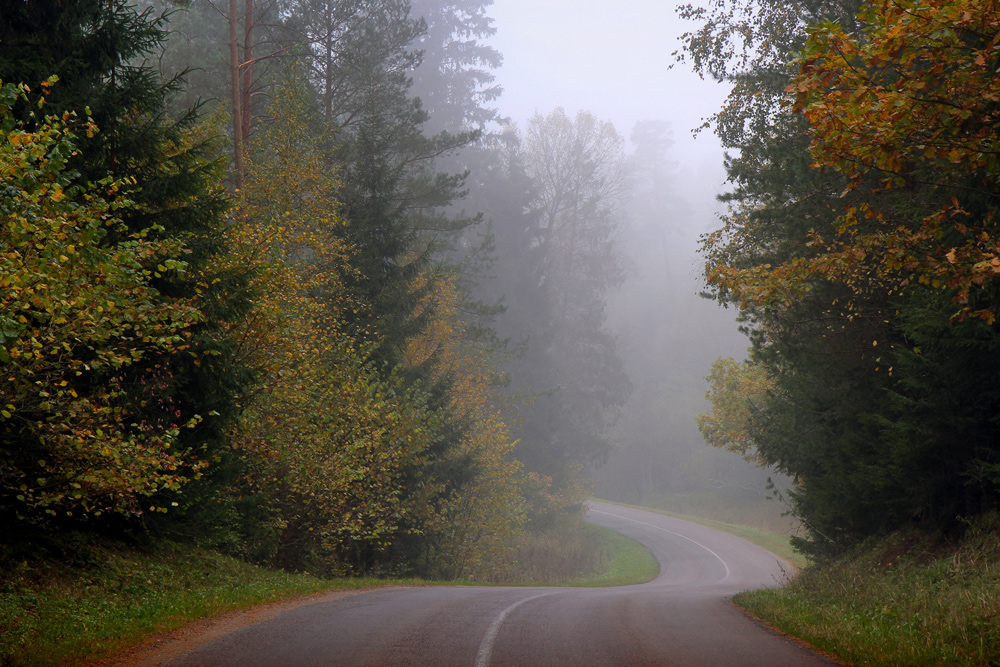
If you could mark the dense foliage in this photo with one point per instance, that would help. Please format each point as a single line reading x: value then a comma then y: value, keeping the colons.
x: 76, y: 316
x: 264, y: 324
x: 860, y: 246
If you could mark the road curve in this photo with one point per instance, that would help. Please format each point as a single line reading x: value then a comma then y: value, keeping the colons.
x: 681, y: 618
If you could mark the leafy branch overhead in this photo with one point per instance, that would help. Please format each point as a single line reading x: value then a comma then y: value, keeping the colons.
x: 914, y: 105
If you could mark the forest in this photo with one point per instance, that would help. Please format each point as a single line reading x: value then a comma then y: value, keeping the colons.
x: 860, y: 247
x: 278, y: 278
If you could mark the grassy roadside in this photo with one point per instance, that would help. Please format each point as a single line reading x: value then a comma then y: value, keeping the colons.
x: 103, y: 597
x: 605, y: 558
x: 776, y: 543
x: 625, y: 561
x: 908, y: 600
x: 99, y: 598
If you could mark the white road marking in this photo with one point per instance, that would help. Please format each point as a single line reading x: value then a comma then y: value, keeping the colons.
x: 672, y: 533
x: 486, y: 646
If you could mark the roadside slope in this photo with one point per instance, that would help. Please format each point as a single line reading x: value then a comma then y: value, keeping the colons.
x: 908, y: 599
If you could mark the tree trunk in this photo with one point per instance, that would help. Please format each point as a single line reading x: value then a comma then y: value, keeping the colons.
x: 237, y: 97
x: 249, y: 24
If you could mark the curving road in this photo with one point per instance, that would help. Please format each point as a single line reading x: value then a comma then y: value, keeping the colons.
x: 681, y: 618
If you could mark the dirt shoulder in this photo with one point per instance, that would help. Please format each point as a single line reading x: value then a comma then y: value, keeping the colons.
x: 161, y: 648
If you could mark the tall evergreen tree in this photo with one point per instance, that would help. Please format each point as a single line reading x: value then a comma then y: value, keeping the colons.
x: 394, y: 199
x: 555, y: 198
x: 455, y: 79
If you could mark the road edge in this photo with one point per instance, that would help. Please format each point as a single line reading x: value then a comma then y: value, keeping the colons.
x: 162, y: 647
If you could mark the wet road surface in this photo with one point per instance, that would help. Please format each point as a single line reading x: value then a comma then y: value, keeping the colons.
x: 682, y: 617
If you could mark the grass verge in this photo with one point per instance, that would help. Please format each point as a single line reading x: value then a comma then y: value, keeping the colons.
x: 735, y: 505
x: 906, y: 600
x: 625, y: 562
x: 104, y: 597
x: 587, y: 555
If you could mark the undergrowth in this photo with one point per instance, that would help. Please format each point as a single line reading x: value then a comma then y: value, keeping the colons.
x: 909, y: 600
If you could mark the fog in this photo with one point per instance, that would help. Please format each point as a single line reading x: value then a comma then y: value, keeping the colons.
x: 614, y: 61
x: 617, y: 62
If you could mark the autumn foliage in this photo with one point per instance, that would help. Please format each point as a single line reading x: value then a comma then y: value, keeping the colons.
x: 913, y: 106
x: 736, y: 392
x: 78, y: 319
x: 861, y: 247
x: 268, y: 343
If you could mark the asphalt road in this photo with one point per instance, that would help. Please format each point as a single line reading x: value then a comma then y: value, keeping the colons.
x: 682, y: 617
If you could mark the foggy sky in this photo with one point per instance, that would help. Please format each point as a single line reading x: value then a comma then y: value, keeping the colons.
x: 614, y: 59
x: 610, y: 58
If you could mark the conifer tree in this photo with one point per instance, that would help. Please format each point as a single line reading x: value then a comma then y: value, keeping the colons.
x: 859, y: 247
x: 455, y: 79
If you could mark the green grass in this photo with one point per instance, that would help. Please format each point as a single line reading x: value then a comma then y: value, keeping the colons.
x: 99, y: 597
x: 776, y: 542
x: 908, y: 600
x: 626, y: 561
x: 592, y: 556
x: 106, y: 597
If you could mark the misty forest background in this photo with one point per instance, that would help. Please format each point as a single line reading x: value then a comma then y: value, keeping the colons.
x: 279, y: 279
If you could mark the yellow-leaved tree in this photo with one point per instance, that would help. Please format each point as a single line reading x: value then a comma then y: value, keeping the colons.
x: 334, y: 452
x: 483, y: 518
x: 737, y: 390
x: 76, y: 312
